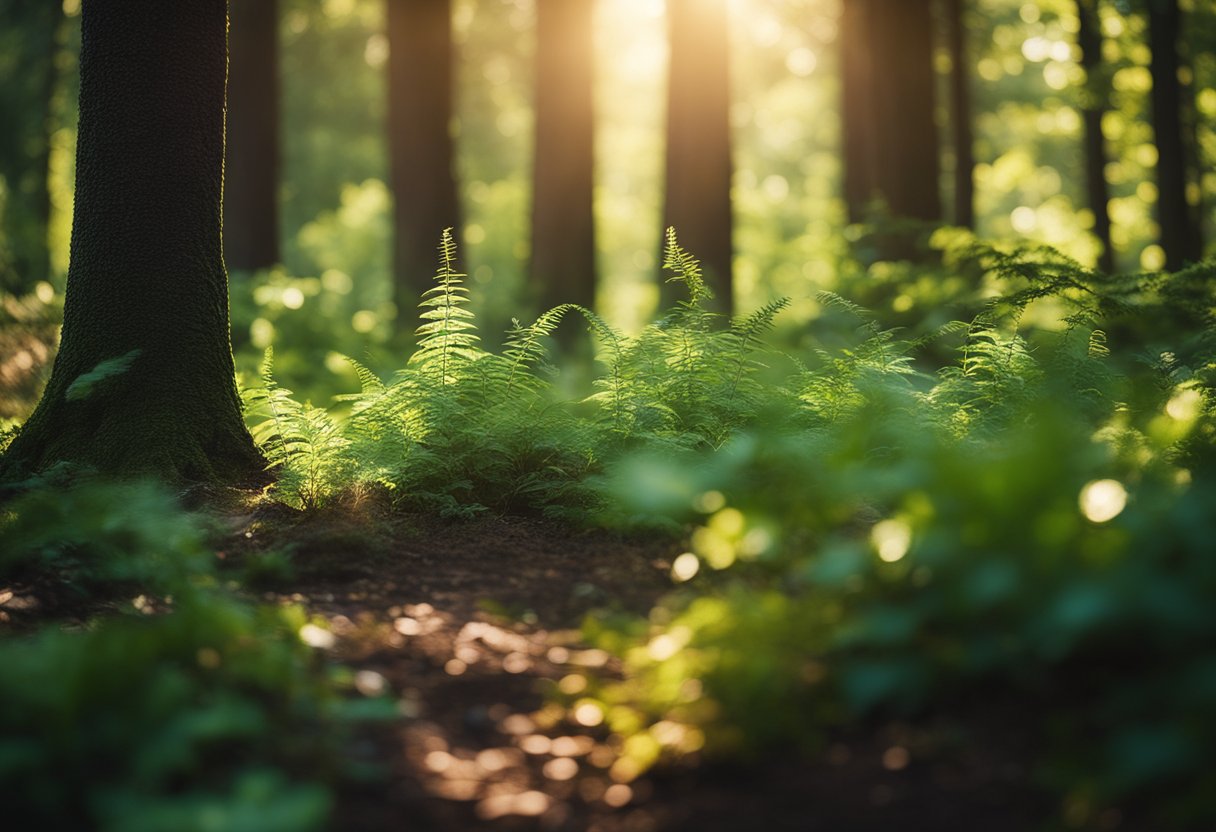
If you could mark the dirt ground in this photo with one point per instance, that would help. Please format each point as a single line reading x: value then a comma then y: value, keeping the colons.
x: 469, y: 625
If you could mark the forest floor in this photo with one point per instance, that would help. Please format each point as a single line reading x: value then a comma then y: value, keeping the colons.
x: 469, y: 624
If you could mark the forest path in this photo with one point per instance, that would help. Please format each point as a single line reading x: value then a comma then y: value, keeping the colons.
x: 467, y: 626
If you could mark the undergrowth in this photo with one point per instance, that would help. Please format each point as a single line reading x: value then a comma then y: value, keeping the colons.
x: 460, y: 429
x: 186, y: 707
x: 896, y: 514
x: 914, y: 505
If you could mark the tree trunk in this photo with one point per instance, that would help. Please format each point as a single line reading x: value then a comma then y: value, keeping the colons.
x: 698, y: 178
x: 960, y: 114
x: 563, y: 222
x: 420, y: 142
x: 1180, y: 235
x: 29, y: 66
x: 251, y: 172
x: 859, y: 138
x: 1089, y: 39
x: 890, y: 138
x: 146, y: 285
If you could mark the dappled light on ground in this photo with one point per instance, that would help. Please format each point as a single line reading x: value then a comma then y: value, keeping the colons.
x: 480, y: 736
x: 473, y: 632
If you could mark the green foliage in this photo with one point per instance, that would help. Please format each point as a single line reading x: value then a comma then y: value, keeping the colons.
x: 185, y: 721
x: 193, y: 710
x: 461, y: 429
x: 916, y: 511
x: 1028, y: 517
x: 301, y: 443
x: 100, y: 539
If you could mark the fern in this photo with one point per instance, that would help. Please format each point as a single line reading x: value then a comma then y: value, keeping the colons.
x: 303, y: 444
x: 447, y: 342
x: 687, y: 270
x: 524, y: 347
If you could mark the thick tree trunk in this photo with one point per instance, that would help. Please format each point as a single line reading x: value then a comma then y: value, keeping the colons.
x: 1089, y: 39
x: 420, y: 142
x: 29, y: 65
x: 960, y: 114
x: 699, y: 166
x: 251, y: 171
x: 146, y: 280
x: 1180, y: 235
x: 563, y: 222
x: 890, y: 138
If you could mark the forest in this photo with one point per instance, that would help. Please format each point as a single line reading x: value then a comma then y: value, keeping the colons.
x: 608, y: 415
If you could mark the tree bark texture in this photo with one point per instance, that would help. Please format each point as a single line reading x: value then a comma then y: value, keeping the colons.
x: 1094, y: 106
x: 420, y: 105
x: 146, y: 279
x: 251, y: 171
x: 1180, y: 234
x: 563, y: 174
x: 890, y: 138
x: 960, y: 114
x: 699, y: 169
x: 28, y: 64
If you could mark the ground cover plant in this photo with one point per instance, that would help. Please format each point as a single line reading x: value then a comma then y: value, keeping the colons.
x: 1018, y: 502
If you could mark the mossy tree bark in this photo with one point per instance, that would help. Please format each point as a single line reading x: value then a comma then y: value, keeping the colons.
x: 146, y: 279
x: 421, y: 150
x: 699, y: 168
x: 251, y: 172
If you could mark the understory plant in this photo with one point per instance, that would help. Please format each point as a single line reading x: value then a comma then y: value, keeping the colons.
x: 911, y: 512
x: 462, y: 429
x: 1031, y: 519
x: 187, y: 707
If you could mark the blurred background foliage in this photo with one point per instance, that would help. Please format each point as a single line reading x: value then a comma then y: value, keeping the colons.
x: 333, y: 292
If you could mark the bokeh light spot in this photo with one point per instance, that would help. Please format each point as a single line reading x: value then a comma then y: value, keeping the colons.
x: 1103, y: 500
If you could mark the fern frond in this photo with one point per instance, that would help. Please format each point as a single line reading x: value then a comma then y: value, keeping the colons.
x: 447, y: 342
x: 524, y: 347
x: 304, y: 444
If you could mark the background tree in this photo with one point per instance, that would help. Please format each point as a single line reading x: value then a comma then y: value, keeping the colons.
x: 698, y: 157
x: 563, y: 222
x: 1180, y: 234
x: 251, y: 171
x: 890, y: 138
x: 1094, y: 106
x: 420, y: 142
x: 960, y: 114
x: 143, y: 381
x: 30, y: 42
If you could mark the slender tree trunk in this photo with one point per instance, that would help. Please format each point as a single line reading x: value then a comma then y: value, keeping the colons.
x: 1089, y: 39
x: 860, y: 128
x: 1180, y: 235
x: 890, y: 138
x: 251, y: 171
x: 563, y: 222
x: 29, y: 68
x: 960, y: 114
x: 420, y: 89
x: 699, y: 169
x: 147, y: 292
